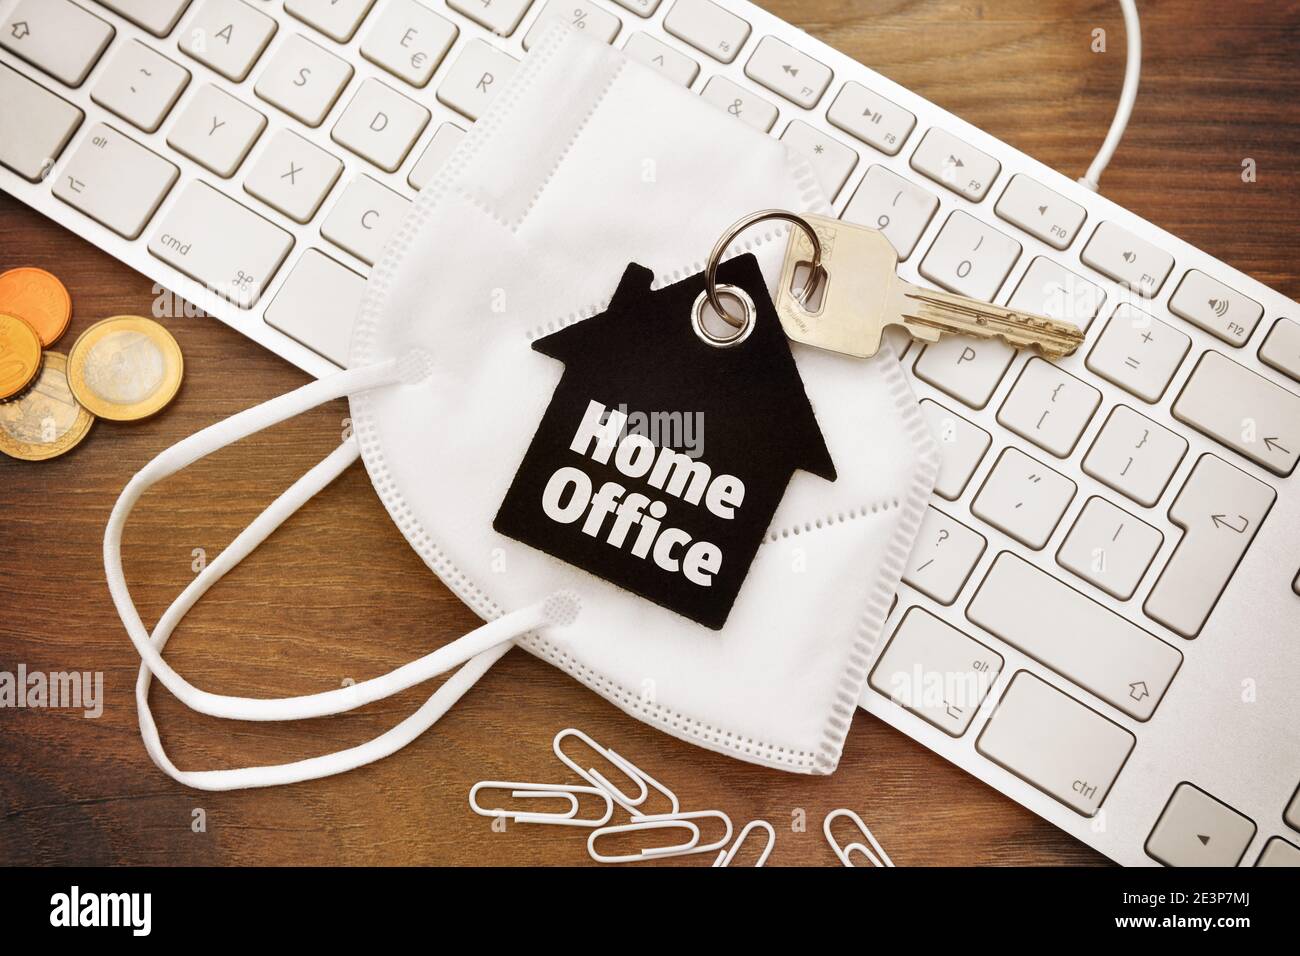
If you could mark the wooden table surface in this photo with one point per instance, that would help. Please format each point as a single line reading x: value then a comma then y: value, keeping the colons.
x: 338, y: 594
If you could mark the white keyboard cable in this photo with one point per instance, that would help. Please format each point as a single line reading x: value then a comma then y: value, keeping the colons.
x: 1127, y: 97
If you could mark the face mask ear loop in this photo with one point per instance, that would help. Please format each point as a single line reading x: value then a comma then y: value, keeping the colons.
x: 485, y: 645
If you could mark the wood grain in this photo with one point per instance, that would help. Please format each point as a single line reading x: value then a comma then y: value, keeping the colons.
x: 337, y: 593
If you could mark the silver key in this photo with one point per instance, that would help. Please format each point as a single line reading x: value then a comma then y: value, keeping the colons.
x: 862, y: 294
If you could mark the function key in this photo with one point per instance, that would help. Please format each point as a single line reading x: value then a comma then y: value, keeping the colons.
x: 707, y: 27
x: 789, y: 73
x: 955, y: 164
x: 1118, y: 254
x: 1209, y: 304
x: 1040, y: 211
x: 871, y: 118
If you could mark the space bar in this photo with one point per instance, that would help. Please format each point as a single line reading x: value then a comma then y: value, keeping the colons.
x: 221, y: 243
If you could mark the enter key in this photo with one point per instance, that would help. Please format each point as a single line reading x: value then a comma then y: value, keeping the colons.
x: 1220, y: 509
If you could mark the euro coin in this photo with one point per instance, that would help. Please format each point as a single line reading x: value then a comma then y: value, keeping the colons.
x: 125, y: 368
x: 39, y: 299
x: 20, y: 355
x: 45, y: 421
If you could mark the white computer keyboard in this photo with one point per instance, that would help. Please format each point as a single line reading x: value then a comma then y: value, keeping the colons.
x: 1109, y: 573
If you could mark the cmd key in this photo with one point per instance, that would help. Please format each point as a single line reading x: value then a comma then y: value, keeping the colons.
x: 220, y: 243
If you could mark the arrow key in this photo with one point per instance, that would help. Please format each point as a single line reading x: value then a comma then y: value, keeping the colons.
x: 1220, y: 509
x: 1195, y: 829
x: 1040, y: 211
x: 959, y: 166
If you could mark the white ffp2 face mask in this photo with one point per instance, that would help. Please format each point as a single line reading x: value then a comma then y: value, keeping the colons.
x: 584, y: 163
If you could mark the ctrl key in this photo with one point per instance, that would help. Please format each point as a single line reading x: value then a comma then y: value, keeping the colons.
x: 221, y: 243
x: 1050, y: 740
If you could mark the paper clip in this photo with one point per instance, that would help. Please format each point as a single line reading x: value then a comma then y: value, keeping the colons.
x: 726, y: 856
x: 843, y: 852
x: 649, y: 853
x: 541, y: 791
x: 629, y: 769
x: 660, y: 821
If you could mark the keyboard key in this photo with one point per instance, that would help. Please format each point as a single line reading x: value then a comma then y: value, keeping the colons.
x: 1118, y: 254
x: 56, y: 36
x: 1277, y: 852
x: 1243, y: 411
x: 1292, y: 814
x: 478, y: 73
x: 937, y: 672
x: 317, y: 305
x: 1281, y: 348
x: 1110, y: 548
x: 1049, y: 407
x: 898, y: 208
x: 945, y: 554
x: 380, y: 125
x: 159, y: 17
x: 871, y: 118
x: 741, y: 103
x: 1023, y: 498
x: 228, y: 36
x: 363, y: 218
x: 115, y: 181
x: 1209, y: 304
x: 1055, y: 743
x: 1041, y: 212
x: 707, y: 27
x: 1052, y: 290
x: 293, y: 176
x: 1195, y: 829
x: 140, y: 86
x: 35, y: 125
x: 595, y: 21
x: 788, y: 73
x: 831, y: 160
x: 409, y: 41
x: 303, y: 79
x: 955, y: 164
x: 678, y: 67
x: 1075, y: 636
x: 967, y: 369
x: 1138, y: 352
x: 220, y: 243
x: 499, y: 16
x: 445, y: 139
x: 642, y: 8
x: 337, y: 19
x: 962, y: 445
x: 1220, y: 509
x: 970, y: 258
x: 216, y: 130
x: 1134, y: 455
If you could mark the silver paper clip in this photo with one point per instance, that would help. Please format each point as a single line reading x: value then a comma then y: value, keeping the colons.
x: 726, y: 856
x: 662, y: 821
x: 639, y: 777
x: 649, y: 853
x: 541, y: 791
x: 842, y: 852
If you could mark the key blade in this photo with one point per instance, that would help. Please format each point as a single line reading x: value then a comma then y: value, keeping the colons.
x: 929, y: 313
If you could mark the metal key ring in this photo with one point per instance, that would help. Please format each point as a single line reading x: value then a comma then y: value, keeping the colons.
x: 711, y: 269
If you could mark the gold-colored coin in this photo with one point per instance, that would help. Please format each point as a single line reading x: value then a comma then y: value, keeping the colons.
x: 39, y: 299
x: 46, y: 420
x: 20, y: 355
x: 125, y: 368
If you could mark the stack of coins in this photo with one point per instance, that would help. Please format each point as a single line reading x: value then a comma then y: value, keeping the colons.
x: 123, y: 368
